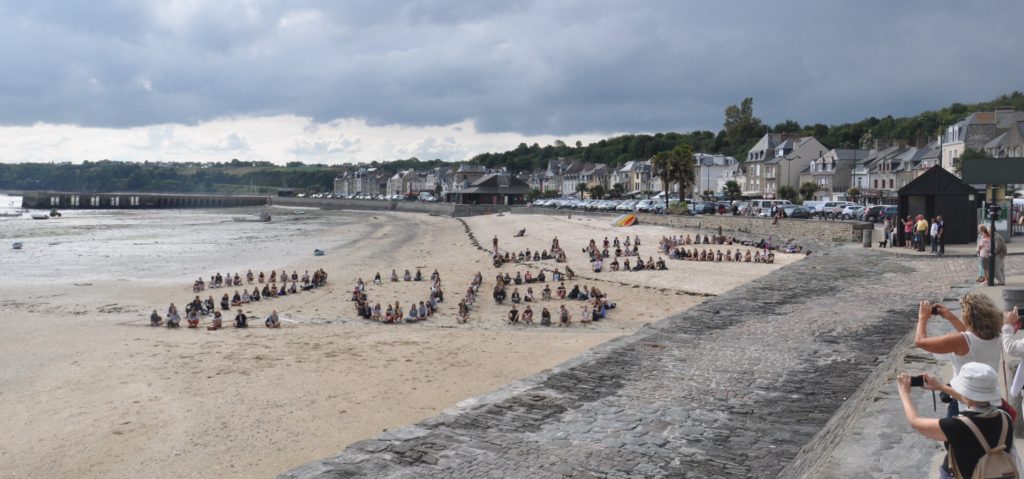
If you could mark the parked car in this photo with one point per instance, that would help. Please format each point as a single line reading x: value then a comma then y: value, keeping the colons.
x: 796, y: 211
x: 875, y: 213
x: 889, y: 212
x: 850, y: 212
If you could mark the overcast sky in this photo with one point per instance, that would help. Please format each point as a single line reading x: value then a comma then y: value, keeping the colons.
x: 349, y: 81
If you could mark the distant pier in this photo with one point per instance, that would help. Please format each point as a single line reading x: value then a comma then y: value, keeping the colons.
x: 65, y: 200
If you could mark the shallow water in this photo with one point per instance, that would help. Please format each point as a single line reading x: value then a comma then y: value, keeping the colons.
x: 101, y: 245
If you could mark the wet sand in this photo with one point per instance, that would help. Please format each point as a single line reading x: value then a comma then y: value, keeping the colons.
x: 92, y: 391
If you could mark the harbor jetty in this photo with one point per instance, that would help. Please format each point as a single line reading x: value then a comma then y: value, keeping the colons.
x: 67, y: 200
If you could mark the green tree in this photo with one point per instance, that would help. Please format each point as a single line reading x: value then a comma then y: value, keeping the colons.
x: 741, y: 126
x: 787, y: 192
x: 533, y: 194
x: 853, y: 193
x: 807, y: 189
x: 581, y: 188
x: 731, y: 189
x: 617, y: 190
x: 676, y: 165
x: 597, y: 191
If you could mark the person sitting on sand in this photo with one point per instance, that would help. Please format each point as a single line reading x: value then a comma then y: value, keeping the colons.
x: 236, y: 299
x: 376, y: 314
x: 261, y: 277
x: 515, y: 296
x: 216, y: 322
x: 463, y: 312
x: 499, y: 293
x: 414, y: 314
x: 407, y: 276
x: 193, y: 319
x: 540, y: 277
x: 597, y: 265
x: 273, y: 321
x: 569, y: 273
x: 376, y: 278
x: 660, y: 265
x: 424, y: 311
x: 639, y: 265
x: 267, y: 291
x: 528, y: 278
x: 528, y: 315
x: 394, y: 276
x: 545, y: 317
x: 585, y: 314
x: 757, y: 256
x: 528, y: 297
x: 241, y: 320
x: 209, y: 305
x: 556, y: 275
x: 545, y: 294
x: 155, y: 319
x: 746, y: 257
x: 513, y: 315
x: 245, y: 296
x: 294, y: 288
x: 626, y: 266
x: 518, y: 279
x: 173, y: 318
x: 389, y: 315
x: 283, y: 291
x: 225, y: 302
x: 564, y: 318
x: 575, y: 293
x: 561, y: 291
x: 419, y: 275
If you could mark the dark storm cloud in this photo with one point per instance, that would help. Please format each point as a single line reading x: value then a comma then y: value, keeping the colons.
x: 558, y: 67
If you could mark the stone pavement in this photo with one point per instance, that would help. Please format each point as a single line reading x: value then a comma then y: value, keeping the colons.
x: 762, y: 381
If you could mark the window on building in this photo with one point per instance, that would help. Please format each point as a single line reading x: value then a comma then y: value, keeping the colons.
x: 890, y: 183
x: 876, y: 184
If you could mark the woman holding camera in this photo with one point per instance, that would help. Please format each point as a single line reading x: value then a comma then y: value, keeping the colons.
x: 976, y: 386
x: 976, y: 338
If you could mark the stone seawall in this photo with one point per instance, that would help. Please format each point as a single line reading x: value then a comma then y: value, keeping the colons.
x: 816, y: 231
x: 751, y: 383
x: 443, y: 209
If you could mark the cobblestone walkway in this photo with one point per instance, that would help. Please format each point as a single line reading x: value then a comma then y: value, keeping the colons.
x: 731, y: 388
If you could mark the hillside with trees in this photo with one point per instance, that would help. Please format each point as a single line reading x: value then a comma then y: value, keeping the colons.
x: 741, y: 128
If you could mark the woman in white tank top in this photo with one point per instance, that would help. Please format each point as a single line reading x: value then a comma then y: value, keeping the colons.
x: 976, y: 338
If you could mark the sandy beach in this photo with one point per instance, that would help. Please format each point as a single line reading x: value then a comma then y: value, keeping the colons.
x: 92, y: 391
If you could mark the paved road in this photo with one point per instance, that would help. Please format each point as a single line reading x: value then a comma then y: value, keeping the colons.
x: 734, y: 387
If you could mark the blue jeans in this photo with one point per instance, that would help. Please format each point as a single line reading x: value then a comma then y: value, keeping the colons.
x: 935, y: 244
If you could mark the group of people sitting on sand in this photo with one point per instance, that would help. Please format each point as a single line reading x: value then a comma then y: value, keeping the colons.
x: 393, y: 313
x: 229, y: 280
x: 199, y: 307
x: 192, y: 317
x: 639, y: 265
x: 718, y: 256
x: 594, y: 306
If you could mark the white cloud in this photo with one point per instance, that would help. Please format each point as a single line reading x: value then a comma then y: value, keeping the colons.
x: 278, y: 139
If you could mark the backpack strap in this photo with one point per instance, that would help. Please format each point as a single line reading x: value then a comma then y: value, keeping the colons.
x: 1000, y: 445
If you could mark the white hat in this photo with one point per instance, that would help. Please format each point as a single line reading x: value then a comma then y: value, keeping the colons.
x: 977, y: 382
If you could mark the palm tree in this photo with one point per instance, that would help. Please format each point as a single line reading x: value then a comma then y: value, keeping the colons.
x: 675, y: 165
x: 685, y: 168
x: 664, y: 166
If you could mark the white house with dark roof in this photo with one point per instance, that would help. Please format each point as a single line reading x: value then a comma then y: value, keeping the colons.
x: 976, y: 132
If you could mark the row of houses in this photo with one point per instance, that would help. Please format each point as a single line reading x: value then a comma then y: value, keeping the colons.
x: 372, y: 181
x: 789, y: 160
x: 564, y: 176
x: 776, y: 160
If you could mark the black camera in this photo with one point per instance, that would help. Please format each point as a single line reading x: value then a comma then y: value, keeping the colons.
x: 935, y: 309
x: 917, y: 381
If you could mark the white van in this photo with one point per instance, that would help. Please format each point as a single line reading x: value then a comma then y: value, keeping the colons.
x: 768, y: 204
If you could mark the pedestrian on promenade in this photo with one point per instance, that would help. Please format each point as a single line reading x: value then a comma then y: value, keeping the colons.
x: 921, y: 230
x: 933, y: 235
x: 999, y: 273
x: 889, y: 240
x: 941, y: 235
x: 976, y: 339
x: 983, y: 252
x: 908, y: 231
x: 976, y: 385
